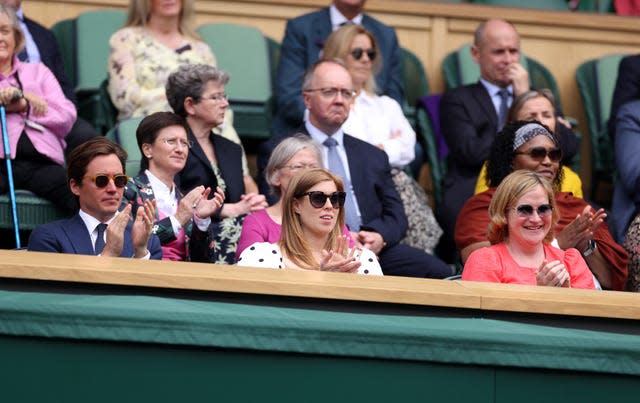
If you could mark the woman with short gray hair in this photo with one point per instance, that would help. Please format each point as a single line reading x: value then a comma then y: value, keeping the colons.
x: 196, y: 92
x: 292, y: 156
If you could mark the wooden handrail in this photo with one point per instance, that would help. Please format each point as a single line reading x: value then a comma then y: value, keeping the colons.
x: 310, y: 284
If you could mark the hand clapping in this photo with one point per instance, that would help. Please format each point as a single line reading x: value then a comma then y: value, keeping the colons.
x: 340, y: 259
x: 553, y: 274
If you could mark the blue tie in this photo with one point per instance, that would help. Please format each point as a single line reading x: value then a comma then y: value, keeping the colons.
x: 504, y: 107
x: 99, y: 246
x: 335, y: 165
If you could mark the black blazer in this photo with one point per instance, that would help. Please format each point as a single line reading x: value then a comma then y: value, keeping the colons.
x: 51, y: 56
x: 627, y: 88
x: 198, y: 171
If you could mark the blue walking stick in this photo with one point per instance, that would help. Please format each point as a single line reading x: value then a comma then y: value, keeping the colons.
x: 7, y: 158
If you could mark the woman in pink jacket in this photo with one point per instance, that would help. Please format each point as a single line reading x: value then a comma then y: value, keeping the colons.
x: 39, y: 116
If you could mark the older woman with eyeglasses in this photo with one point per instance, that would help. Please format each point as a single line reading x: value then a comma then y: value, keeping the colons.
x: 291, y: 156
x: 196, y: 92
x: 531, y: 146
x: 182, y: 221
x: 312, y: 231
x: 523, y: 213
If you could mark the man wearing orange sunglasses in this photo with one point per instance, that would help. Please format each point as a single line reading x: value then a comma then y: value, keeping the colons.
x: 96, y: 175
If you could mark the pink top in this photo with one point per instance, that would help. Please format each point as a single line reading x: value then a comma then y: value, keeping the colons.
x: 176, y: 249
x: 260, y: 227
x: 36, y: 78
x: 494, y: 264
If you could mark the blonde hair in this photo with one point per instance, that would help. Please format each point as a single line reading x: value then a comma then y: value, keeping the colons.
x: 18, y: 35
x: 140, y: 11
x: 338, y: 45
x: 514, y: 186
x: 292, y: 240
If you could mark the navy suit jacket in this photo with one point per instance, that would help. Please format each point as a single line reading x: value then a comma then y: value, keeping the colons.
x: 50, y: 55
x: 627, y: 88
x: 469, y: 124
x: 198, y: 171
x: 71, y: 236
x: 380, y: 205
x: 303, y: 40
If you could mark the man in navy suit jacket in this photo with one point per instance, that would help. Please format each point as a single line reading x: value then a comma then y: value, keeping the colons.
x: 48, y: 52
x: 96, y: 176
x: 302, y: 45
x: 382, y: 217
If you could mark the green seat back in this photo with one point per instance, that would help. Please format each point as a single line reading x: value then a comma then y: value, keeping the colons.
x: 596, y: 81
x: 598, y: 6
x: 32, y: 211
x: 243, y: 52
x: 124, y: 133
x: 414, y: 81
x: 93, y: 31
x: 65, y: 33
x: 459, y: 68
x: 542, y: 4
x: 437, y: 166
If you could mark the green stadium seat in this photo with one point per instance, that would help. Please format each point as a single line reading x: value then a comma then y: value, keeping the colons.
x: 596, y: 81
x: 244, y: 52
x: 596, y: 6
x: 124, y: 133
x: 32, y: 211
x: 415, y: 83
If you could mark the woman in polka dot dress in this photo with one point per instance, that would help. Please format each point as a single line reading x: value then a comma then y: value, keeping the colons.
x: 312, y: 236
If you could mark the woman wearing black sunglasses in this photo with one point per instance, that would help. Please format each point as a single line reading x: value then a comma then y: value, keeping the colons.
x: 379, y: 120
x: 312, y: 231
x: 520, y: 145
x: 523, y: 213
x: 540, y: 105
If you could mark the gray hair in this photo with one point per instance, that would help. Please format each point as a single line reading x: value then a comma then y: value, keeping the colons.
x: 283, y: 152
x: 18, y: 35
x: 189, y: 81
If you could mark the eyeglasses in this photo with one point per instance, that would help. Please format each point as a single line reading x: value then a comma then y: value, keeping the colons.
x: 217, y: 97
x: 102, y: 180
x: 297, y: 167
x: 319, y: 199
x: 358, y: 52
x: 526, y: 210
x: 540, y: 153
x: 172, y: 142
x: 330, y: 93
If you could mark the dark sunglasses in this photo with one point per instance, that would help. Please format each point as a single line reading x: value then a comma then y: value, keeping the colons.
x: 540, y: 153
x: 358, y: 52
x: 319, y: 199
x: 102, y: 180
x: 526, y: 210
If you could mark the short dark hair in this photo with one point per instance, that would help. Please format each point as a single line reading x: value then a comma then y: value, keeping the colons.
x: 149, y: 127
x: 82, y: 155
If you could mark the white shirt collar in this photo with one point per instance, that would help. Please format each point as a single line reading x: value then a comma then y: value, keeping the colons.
x: 319, y: 136
x: 337, y: 18
x: 91, y: 222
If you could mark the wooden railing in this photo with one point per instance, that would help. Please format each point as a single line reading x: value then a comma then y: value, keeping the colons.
x: 398, y: 291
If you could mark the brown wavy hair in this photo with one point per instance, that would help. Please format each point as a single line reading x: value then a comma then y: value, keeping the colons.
x: 292, y: 241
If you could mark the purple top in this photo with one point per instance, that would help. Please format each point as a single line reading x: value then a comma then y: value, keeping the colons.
x: 260, y: 227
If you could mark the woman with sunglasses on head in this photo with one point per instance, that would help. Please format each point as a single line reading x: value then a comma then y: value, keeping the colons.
x: 539, y: 105
x: 379, y: 120
x: 523, y: 214
x: 312, y: 231
x: 182, y: 221
x: 530, y: 145
x: 291, y: 156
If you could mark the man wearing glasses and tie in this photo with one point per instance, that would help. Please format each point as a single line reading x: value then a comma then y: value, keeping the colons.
x: 95, y: 171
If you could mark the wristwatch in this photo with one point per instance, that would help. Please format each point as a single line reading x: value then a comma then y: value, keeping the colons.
x: 590, y: 248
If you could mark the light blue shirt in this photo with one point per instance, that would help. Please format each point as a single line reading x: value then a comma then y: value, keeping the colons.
x: 337, y: 19
x: 30, y: 44
x: 493, y: 91
x: 318, y: 136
